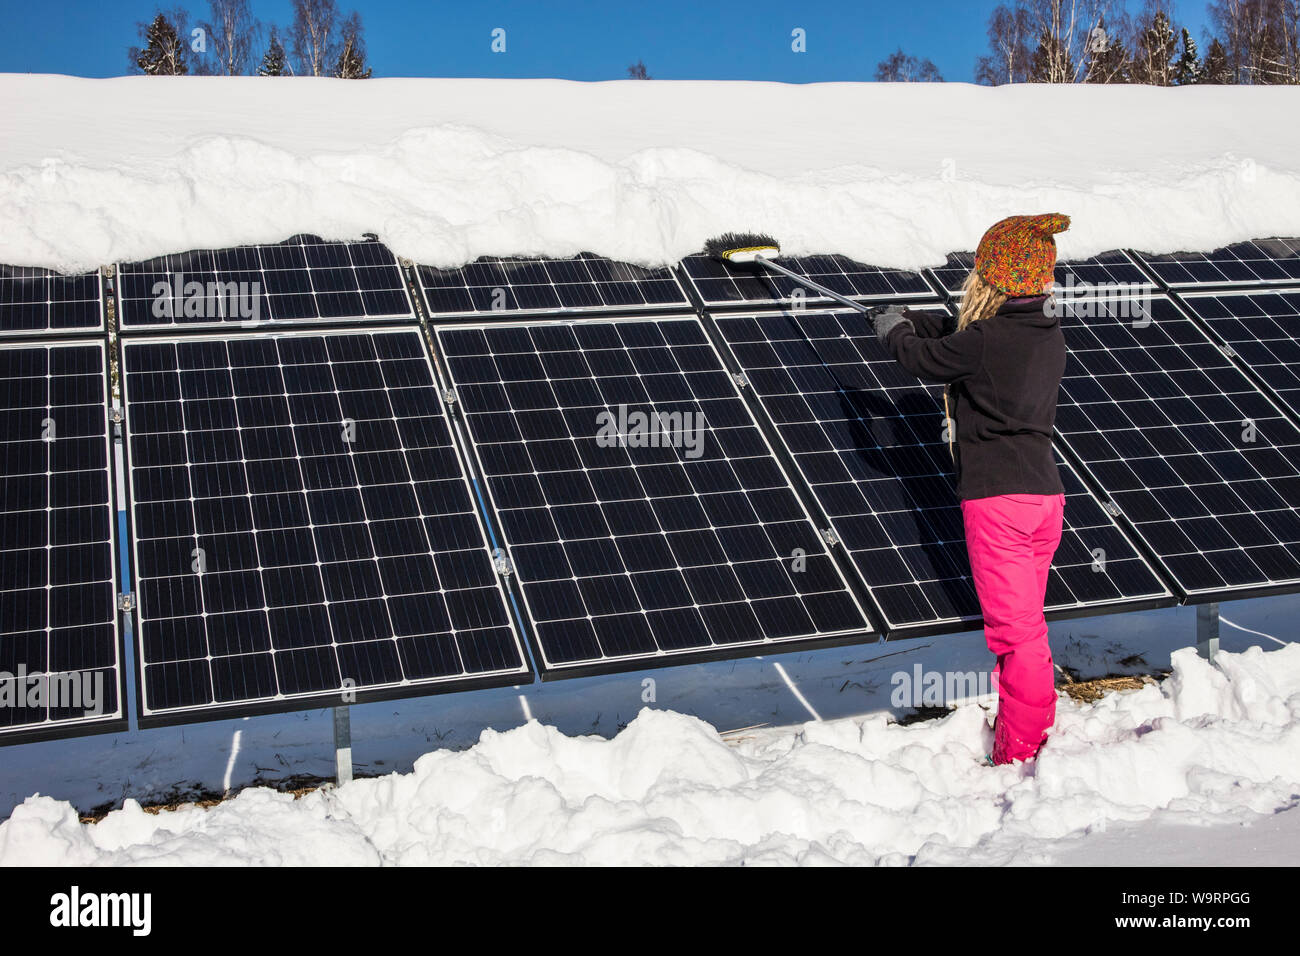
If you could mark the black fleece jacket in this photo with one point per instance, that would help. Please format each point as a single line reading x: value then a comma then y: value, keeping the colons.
x: 1003, y: 374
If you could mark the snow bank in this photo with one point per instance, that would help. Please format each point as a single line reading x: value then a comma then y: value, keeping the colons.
x: 1212, y: 745
x: 446, y: 170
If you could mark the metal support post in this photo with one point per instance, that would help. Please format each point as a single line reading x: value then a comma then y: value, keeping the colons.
x: 1207, y: 630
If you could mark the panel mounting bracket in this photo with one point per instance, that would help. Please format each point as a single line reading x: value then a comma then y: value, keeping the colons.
x: 1228, y: 350
x: 449, y: 396
x: 1112, y: 509
x: 741, y: 379
x: 830, y: 537
x: 115, y: 416
x: 126, y: 601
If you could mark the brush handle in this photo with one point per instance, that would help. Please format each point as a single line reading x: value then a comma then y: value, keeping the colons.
x: 814, y: 286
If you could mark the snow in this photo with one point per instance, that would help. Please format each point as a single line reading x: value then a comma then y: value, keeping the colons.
x: 93, y: 171
x: 1202, y: 768
x: 1215, y: 745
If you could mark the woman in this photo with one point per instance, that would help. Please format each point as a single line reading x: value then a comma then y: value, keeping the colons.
x: 1002, y: 368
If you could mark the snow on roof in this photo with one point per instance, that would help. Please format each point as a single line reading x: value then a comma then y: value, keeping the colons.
x: 444, y: 171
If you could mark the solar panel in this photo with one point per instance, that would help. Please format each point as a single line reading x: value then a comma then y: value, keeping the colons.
x: 868, y: 438
x: 634, y: 541
x: 1202, y: 463
x: 1258, y: 262
x: 1263, y: 329
x: 59, y: 649
x: 300, y: 280
x: 721, y: 284
x: 1112, y: 268
x: 40, y: 301
x: 584, y: 283
x: 303, y: 526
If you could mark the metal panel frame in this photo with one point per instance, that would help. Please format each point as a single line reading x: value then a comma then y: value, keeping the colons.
x: 1184, y: 594
x: 43, y: 334
x: 117, y: 721
x: 738, y: 651
x: 265, y: 324
x: 314, y: 700
x: 649, y: 310
x: 1183, y: 301
x: 1141, y: 258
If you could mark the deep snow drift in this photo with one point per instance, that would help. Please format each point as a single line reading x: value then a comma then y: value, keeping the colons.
x: 1213, y: 745
x: 93, y: 171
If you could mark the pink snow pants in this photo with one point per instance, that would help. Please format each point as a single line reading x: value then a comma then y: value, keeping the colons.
x: 1011, y: 540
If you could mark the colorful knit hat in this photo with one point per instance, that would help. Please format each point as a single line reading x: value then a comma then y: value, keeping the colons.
x: 1017, y: 255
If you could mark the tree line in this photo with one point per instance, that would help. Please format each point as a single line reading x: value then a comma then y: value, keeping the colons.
x: 1030, y: 41
x: 320, y: 41
x: 1098, y: 41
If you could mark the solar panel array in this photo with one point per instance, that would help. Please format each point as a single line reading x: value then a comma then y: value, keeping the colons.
x: 636, y: 545
x: 40, y: 301
x: 1107, y: 269
x: 1263, y: 328
x: 584, y: 283
x: 1257, y: 262
x: 723, y: 284
x: 302, y: 524
x: 305, y: 526
x: 1203, y: 464
x: 301, y: 280
x: 870, y: 441
x: 59, y: 651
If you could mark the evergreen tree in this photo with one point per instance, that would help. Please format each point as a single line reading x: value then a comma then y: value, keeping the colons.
x: 1154, y: 60
x: 1188, y: 70
x: 1217, y: 69
x: 351, y: 64
x: 273, y: 62
x: 1108, y: 60
x: 1051, y: 62
x: 164, y: 53
x: 1260, y: 38
x: 637, y: 71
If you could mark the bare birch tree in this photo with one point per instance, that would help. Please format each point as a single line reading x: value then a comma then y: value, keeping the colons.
x: 232, y: 33
x: 314, y: 36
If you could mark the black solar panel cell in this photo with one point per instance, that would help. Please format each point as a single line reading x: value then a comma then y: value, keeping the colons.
x: 646, y: 515
x: 1202, y: 463
x: 301, y: 280
x: 303, y: 525
x: 1258, y: 262
x: 59, y: 649
x: 1263, y: 328
x: 585, y: 283
x: 40, y: 301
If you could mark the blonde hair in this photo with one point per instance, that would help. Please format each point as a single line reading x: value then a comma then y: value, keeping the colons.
x: 979, y: 300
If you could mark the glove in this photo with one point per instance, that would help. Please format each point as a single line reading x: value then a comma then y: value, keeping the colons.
x: 886, y: 317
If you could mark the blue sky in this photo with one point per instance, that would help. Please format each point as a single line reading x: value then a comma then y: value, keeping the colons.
x: 677, y: 39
